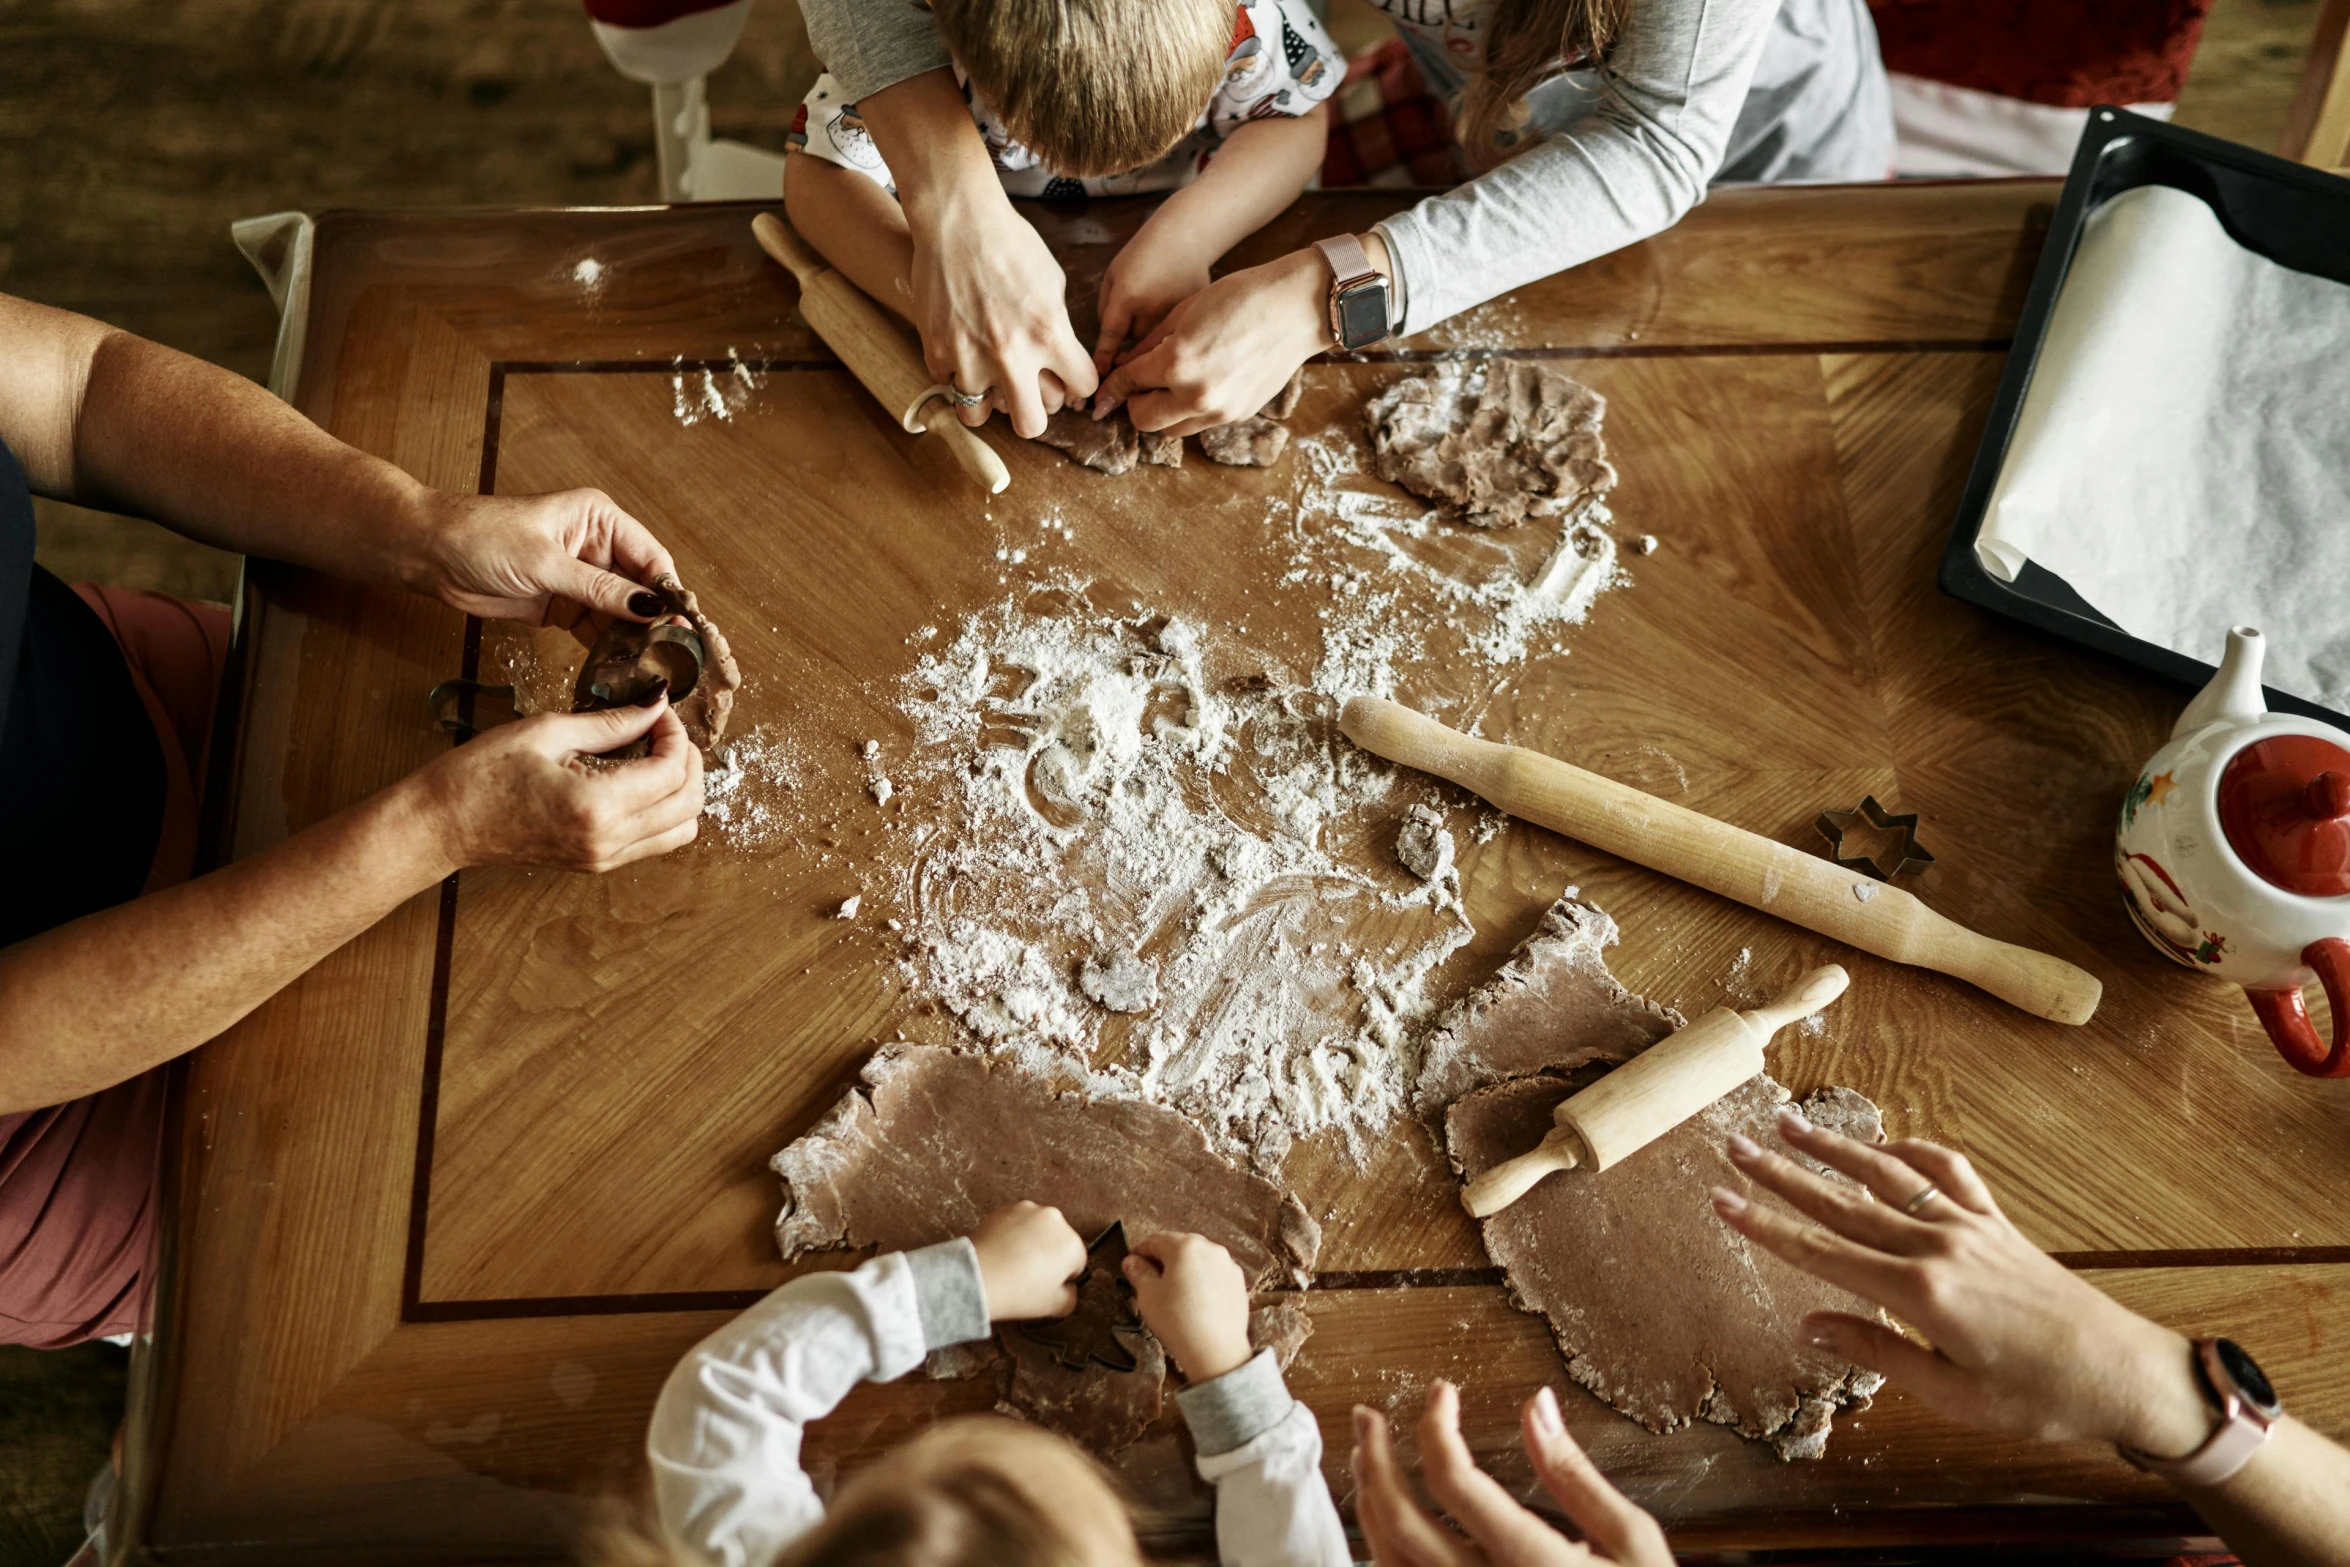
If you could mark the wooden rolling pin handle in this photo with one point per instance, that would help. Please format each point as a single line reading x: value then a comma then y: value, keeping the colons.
x: 977, y: 457
x: 1730, y: 861
x: 1512, y: 1179
x: 1810, y: 994
x: 776, y: 238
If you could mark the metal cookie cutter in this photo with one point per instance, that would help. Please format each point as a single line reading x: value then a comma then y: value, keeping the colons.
x: 630, y: 658
x: 466, y: 707
x: 1833, y: 825
x: 1099, y: 1331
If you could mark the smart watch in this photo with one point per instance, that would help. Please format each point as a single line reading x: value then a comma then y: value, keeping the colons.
x: 2248, y: 1411
x: 1360, y: 314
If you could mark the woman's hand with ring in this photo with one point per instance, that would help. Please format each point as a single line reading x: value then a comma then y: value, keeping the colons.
x: 2016, y: 1343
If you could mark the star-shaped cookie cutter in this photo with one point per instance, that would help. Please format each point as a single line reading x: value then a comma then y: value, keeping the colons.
x: 1833, y: 825
x: 1096, y: 1333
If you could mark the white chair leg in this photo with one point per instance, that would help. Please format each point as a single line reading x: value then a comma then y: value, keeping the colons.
x: 681, y: 126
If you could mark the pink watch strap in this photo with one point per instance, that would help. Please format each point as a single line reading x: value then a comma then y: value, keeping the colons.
x: 2242, y: 1430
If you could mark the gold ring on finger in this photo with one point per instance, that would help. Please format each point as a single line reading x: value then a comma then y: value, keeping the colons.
x: 1925, y: 1196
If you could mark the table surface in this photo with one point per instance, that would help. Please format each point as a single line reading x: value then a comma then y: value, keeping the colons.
x: 441, y: 1216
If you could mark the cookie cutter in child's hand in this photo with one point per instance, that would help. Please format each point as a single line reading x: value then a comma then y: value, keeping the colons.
x: 1096, y: 1333
x: 1833, y: 825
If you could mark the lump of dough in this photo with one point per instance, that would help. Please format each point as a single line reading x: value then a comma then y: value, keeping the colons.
x: 1105, y: 445
x: 626, y: 660
x: 1118, y: 981
x: 1423, y: 844
x: 1249, y: 443
x: 1510, y: 441
x: 1160, y: 449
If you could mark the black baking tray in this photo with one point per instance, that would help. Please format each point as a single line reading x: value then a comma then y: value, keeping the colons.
x: 2295, y: 216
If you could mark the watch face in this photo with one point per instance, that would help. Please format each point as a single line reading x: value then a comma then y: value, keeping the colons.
x: 2245, y: 1372
x: 1362, y: 315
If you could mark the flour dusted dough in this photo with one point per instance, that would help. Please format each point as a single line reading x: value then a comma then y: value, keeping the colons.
x: 1510, y: 441
x: 1105, y: 445
x: 1160, y: 449
x: 1553, y: 1007
x: 1660, y: 1309
x: 934, y: 1139
x: 1249, y: 443
x: 621, y: 662
x: 1423, y: 844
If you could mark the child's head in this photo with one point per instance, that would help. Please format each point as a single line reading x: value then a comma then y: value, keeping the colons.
x: 980, y: 1491
x: 1092, y: 86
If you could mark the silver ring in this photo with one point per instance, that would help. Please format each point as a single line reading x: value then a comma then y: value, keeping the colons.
x: 965, y: 399
x: 1912, y: 1206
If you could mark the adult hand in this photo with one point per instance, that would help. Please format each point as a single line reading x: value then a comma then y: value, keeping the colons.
x: 1149, y: 277
x: 1028, y: 1260
x: 2018, y: 1343
x: 1192, y: 1294
x: 1498, y: 1530
x: 1227, y: 350
x: 991, y: 304
x: 533, y: 792
x: 570, y: 558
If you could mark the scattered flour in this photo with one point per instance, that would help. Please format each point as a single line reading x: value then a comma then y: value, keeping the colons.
x: 710, y: 393
x: 1105, y: 793
x: 747, y: 791
x: 589, y: 274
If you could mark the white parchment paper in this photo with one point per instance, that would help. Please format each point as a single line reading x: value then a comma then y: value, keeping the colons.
x: 2182, y: 458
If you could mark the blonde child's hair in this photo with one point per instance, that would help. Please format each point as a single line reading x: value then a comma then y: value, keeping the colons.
x: 954, y: 1505
x: 1092, y: 87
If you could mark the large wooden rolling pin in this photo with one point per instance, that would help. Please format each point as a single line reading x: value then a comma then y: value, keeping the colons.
x: 1654, y: 1092
x: 875, y: 349
x: 1800, y: 888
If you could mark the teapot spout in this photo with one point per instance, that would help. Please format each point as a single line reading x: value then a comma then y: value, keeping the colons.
x: 2234, y: 695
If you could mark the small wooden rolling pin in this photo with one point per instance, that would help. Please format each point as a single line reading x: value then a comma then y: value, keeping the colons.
x: 875, y: 349
x: 1654, y: 1092
x: 1800, y: 888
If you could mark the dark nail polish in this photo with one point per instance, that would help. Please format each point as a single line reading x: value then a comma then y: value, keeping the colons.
x: 653, y: 697
x: 647, y: 604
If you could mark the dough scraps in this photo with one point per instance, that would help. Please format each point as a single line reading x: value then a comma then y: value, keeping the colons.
x: 1105, y: 445
x: 631, y: 656
x: 1662, y: 1311
x: 1423, y: 844
x: 1499, y: 445
x: 1249, y: 443
x: 1553, y: 1007
x: 1159, y: 448
x: 934, y: 1139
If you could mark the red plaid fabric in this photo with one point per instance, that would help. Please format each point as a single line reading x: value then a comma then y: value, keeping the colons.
x: 1387, y: 128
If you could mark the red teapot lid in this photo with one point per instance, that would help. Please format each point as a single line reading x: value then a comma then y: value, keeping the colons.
x: 2284, y: 803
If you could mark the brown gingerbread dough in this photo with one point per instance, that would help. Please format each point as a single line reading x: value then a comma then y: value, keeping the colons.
x: 1105, y: 445
x: 1553, y: 1007
x: 1514, y: 441
x: 625, y: 663
x: 935, y: 1139
x: 1664, y: 1312
x: 1249, y: 443
x: 1160, y: 449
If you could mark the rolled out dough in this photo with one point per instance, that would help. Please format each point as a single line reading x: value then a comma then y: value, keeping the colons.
x: 934, y: 1139
x: 1661, y: 1310
x: 1553, y: 1007
x: 1499, y: 445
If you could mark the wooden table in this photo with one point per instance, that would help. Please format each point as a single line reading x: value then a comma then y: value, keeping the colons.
x: 442, y: 1215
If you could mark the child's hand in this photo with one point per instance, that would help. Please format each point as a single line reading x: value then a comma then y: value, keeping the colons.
x: 1192, y: 1295
x: 1148, y: 278
x: 1028, y: 1257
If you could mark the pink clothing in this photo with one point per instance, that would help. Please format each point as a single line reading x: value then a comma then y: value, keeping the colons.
x: 78, y: 1181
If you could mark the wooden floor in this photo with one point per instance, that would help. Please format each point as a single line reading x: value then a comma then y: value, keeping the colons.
x: 445, y: 1211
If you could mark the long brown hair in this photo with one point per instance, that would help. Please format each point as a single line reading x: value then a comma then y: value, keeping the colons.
x: 1526, y: 43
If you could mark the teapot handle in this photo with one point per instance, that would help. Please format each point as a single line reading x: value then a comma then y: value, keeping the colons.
x: 2286, y: 1016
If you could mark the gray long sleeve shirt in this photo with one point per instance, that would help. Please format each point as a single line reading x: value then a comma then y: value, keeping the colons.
x: 1692, y: 91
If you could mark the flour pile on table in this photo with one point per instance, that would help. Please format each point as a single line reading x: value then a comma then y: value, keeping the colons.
x: 712, y: 393
x: 1143, y: 882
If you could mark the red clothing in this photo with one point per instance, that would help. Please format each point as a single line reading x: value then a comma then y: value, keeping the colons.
x: 78, y: 1180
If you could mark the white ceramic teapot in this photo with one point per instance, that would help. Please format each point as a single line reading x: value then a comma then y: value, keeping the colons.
x: 2234, y: 845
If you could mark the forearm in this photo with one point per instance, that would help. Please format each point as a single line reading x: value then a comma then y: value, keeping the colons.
x: 98, y: 1001
x: 924, y: 132
x: 1258, y: 171
x: 213, y: 456
x: 2288, y: 1507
